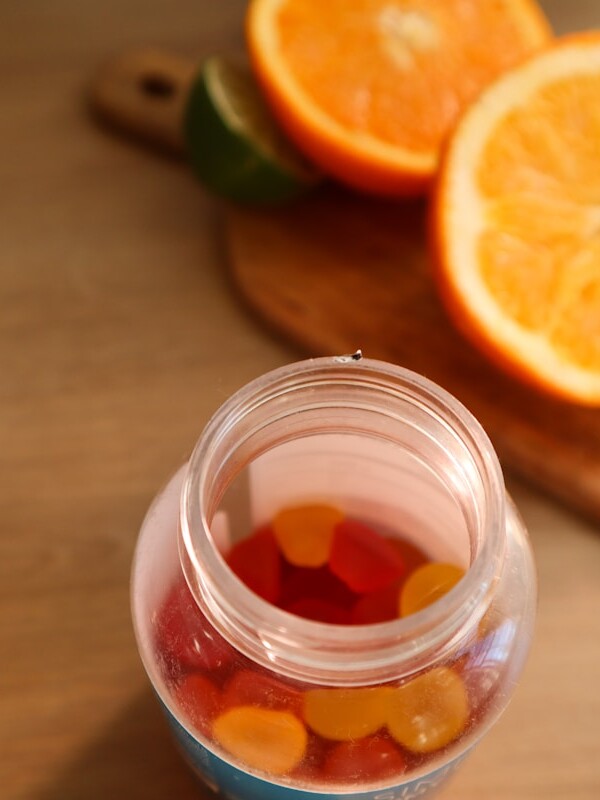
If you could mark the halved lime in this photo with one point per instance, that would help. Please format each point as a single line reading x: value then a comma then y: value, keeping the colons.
x: 234, y: 144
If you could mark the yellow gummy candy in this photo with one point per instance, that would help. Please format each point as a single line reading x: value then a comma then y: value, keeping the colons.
x: 426, y: 585
x: 305, y: 533
x: 428, y: 712
x: 346, y: 714
x: 267, y: 740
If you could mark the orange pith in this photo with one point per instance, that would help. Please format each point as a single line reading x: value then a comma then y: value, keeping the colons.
x: 520, y: 187
x: 369, y: 89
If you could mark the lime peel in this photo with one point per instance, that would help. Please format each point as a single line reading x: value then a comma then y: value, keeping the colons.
x: 233, y: 142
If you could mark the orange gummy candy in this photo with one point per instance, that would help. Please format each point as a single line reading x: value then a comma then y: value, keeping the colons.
x: 426, y: 585
x: 261, y: 738
x: 304, y: 533
x: 345, y: 714
x: 428, y: 712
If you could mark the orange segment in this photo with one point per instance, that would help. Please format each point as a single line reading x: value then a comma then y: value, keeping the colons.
x: 370, y: 91
x: 346, y: 714
x: 429, y: 712
x: 517, y: 221
x: 426, y: 585
x: 305, y: 533
x: 271, y: 741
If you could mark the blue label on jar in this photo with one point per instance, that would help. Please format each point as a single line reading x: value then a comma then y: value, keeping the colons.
x: 236, y: 784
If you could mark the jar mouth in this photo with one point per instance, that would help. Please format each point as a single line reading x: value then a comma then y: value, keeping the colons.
x: 322, y: 652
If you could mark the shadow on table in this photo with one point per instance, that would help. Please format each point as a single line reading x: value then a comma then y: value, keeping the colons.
x: 134, y: 759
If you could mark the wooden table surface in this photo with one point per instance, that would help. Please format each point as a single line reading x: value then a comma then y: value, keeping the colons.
x: 119, y: 335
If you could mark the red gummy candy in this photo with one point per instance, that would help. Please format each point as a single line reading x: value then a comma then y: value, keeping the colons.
x: 200, y: 701
x: 316, y: 583
x: 312, y: 764
x: 184, y: 637
x: 371, y: 758
x: 249, y: 687
x: 319, y: 611
x: 363, y: 559
x: 381, y: 606
x: 257, y: 562
x: 410, y: 553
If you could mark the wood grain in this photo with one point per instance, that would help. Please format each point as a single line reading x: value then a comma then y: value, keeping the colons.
x: 119, y: 336
x: 337, y: 272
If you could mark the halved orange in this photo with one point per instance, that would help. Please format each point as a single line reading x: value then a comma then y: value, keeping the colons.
x: 516, y: 220
x: 369, y: 89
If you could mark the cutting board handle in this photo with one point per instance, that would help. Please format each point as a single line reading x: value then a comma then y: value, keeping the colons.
x: 144, y: 92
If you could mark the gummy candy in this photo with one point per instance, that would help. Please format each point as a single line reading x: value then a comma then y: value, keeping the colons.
x: 304, y: 533
x: 380, y: 606
x: 199, y: 699
x: 412, y: 555
x: 426, y: 585
x: 319, y: 611
x: 365, y: 561
x: 316, y: 583
x: 429, y: 711
x: 249, y: 687
x: 256, y: 562
x: 368, y: 759
x: 346, y: 714
x: 261, y: 738
x: 186, y: 637
x: 317, y: 564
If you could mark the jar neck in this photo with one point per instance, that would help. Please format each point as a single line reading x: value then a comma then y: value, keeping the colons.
x: 362, y: 399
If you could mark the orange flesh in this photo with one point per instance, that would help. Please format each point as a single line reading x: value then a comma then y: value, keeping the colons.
x: 540, y: 177
x: 364, y: 63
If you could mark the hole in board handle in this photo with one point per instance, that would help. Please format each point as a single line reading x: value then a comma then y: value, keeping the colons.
x: 159, y: 86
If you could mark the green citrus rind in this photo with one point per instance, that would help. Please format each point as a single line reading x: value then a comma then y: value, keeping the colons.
x: 234, y: 145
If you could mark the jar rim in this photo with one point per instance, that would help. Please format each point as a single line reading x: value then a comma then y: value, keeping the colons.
x: 323, y: 652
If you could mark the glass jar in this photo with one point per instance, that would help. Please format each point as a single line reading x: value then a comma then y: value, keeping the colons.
x: 265, y: 703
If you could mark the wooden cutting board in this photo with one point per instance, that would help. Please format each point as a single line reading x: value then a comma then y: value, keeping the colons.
x: 336, y: 272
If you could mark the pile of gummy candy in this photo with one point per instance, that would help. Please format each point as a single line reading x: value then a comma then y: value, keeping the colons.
x: 316, y: 563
